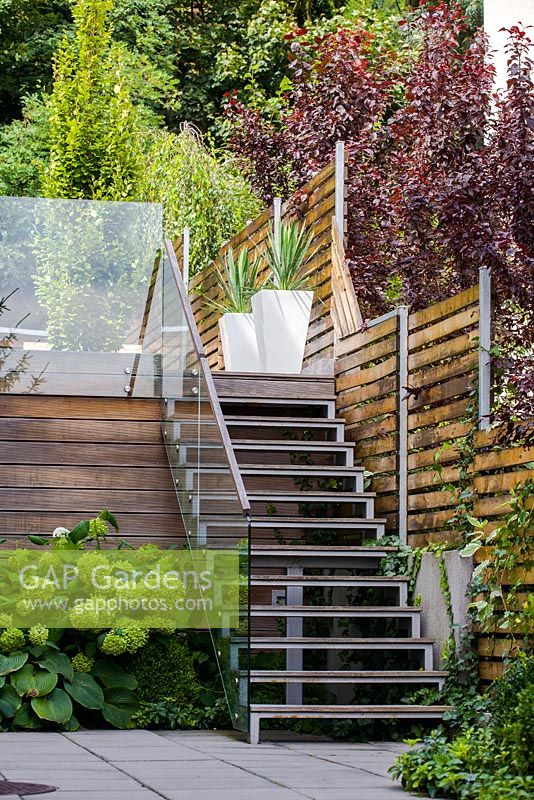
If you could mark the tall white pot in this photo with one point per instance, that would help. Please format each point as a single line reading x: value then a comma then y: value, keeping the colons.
x: 239, y: 344
x: 281, y: 319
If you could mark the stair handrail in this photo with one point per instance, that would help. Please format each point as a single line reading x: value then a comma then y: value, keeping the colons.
x: 208, y: 377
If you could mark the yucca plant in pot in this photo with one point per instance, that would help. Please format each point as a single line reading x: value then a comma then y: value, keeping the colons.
x: 237, y: 281
x: 282, y: 307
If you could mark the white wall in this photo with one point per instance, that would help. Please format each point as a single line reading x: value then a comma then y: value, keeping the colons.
x: 503, y: 14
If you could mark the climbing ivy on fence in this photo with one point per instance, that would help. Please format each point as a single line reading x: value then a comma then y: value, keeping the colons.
x: 500, y: 603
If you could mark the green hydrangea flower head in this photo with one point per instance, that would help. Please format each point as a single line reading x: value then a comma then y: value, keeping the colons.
x: 65, y: 544
x: 23, y: 608
x: 84, y: 615
x: 135, y: 638
x: 11, y: 639
x: 45, y: 590
x: 148, y: 552
x: 113, y: 644
x: 125, y: 566
x: 82, y: 663
x: 88, y: 563
x: 97, y: 528
x: 18, y: 560
x: 6, y: 620
x: 38, y: 635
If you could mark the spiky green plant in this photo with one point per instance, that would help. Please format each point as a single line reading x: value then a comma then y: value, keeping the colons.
x: 237, y: 281
x: 288, y: 249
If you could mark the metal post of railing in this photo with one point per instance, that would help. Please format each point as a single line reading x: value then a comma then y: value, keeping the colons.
x: 339, y: 198
x: 185, y: 266
x: 484, y: 347
x: 402, y: 313
x: 277, y: 221
x: 277, y: 217
x: 339, y: 212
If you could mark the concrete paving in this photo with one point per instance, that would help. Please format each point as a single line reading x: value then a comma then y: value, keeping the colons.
x: 196, y: 765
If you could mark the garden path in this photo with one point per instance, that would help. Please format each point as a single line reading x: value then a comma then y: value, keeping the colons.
x: 196, y: 765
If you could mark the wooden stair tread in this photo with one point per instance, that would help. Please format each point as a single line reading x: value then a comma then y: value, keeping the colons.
x: 317, y: 522
x: 305, y: 494
x: 301, y: 467
x: 347, y: 709
x: 319, y: 421
x: 301, y: 445
x: 340, y: 578
x: 254, y: 376
x: 419, y: 673
x: 312, y: 549
x: 317, y: 394
x: 341, y: 610
x: 389, y: 612
x: 299, y: 640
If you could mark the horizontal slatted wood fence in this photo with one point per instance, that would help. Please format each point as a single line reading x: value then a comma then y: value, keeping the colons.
x: 445, y: 451
x: 367, y: 389
x: 442, y: 408
x: 497, y: 469
x: 63, y: 459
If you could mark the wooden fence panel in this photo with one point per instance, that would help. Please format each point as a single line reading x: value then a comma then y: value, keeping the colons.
x: 368, y: 397
x: 442, y: 370
x: 63, y: 459
x: 443, y: 363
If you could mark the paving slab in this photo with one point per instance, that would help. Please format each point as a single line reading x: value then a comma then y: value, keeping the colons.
x: 274, y: 793
x: 141, y: 794
x: 198, y: 765
x: 357, y: 793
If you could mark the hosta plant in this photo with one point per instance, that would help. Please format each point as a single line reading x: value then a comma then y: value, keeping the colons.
x: 42, y: 687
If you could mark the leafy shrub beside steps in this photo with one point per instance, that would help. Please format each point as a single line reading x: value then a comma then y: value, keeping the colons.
x: 492, y: 759
x: 58, y: 680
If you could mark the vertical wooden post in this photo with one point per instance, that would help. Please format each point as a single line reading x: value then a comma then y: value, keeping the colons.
x: 339, y: 213
x: 277, y: 220
x: 484, y: 347
x: 402, y: 313
x: 185, y: 267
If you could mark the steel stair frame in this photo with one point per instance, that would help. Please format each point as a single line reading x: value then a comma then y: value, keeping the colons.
x: 295, y: 563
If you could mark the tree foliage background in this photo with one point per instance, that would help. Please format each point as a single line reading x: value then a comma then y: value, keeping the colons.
x: 183, y: 54
x: 98, y: 132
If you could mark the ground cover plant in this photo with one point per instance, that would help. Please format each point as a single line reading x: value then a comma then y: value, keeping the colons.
x: 488, y: 758
x: 484, y: 748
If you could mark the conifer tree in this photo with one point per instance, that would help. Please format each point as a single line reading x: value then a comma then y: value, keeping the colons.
x: 94, y: 125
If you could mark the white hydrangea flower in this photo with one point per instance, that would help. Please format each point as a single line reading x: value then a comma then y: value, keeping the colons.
x: 60, y: 533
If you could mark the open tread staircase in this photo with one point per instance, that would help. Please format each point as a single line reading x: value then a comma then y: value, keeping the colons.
x: 302, y: 484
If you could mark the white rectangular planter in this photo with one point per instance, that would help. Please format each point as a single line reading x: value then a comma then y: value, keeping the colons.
x: 239, y: 345
x: 281, y: 319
